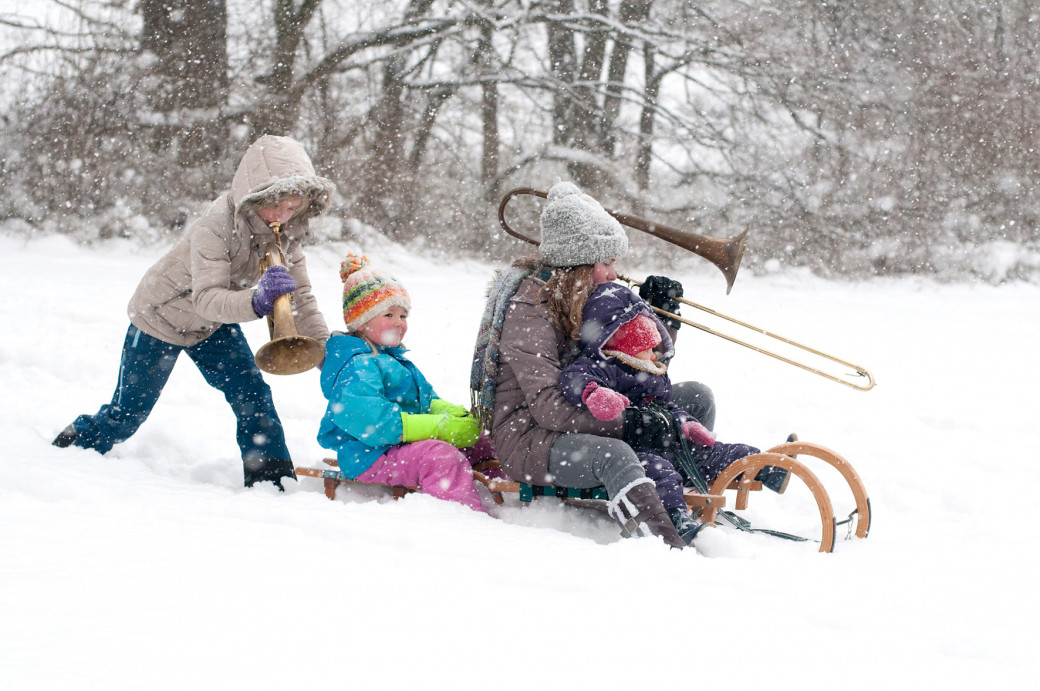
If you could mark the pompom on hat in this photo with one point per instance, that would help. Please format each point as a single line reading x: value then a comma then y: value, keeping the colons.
x: 367, y: 292
x: 577, y: 230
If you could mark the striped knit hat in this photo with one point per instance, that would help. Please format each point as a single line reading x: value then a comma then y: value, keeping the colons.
x: 367, y: 292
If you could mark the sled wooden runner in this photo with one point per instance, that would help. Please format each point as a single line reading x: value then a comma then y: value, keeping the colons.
x: 736, y: 478
x: 332, y: 477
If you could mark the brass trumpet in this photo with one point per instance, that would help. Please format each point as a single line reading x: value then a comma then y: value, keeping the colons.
x: 288, y: 352
x: 725, y: 254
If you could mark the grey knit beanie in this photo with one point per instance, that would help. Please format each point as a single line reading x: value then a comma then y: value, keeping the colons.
x: 576, y: 230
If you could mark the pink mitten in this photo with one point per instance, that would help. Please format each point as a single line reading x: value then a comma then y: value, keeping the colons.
x: 603, y: 403
x: 698, y: 433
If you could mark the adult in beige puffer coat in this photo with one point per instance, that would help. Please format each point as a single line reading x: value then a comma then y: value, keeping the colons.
x: 195, y: 296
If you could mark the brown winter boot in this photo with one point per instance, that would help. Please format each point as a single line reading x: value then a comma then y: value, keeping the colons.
x: 638, y: 509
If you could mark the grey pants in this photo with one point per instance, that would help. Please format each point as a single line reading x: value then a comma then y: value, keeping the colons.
x: 585, y: 460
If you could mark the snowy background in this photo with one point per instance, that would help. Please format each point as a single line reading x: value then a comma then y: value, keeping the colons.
x: 152, y: 567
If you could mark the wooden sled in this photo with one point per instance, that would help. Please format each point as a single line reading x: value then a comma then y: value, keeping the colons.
x: 736, y: 478
x: 332, y: 477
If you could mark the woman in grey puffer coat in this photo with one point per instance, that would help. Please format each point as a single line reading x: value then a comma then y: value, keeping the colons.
x: 194, y: 297
x: 530, y: 331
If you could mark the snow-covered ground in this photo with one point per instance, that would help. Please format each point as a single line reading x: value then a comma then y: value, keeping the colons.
x: 152, y: 568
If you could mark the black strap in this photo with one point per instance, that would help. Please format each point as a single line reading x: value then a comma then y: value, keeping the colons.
x: 684, y: 455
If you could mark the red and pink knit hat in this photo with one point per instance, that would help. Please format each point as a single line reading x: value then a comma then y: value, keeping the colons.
x: 367, y: 292
x: 634, y: 336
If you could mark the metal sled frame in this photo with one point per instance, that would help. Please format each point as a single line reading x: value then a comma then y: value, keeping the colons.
x: 736, y: 478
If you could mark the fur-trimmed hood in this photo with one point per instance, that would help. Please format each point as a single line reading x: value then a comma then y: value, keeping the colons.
x: 272, y: 169
x: 609, y: 307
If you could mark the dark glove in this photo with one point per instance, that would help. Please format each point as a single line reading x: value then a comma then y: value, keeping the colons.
x: 649, y: 426
x: 275, y: 281
x: 661, y: 292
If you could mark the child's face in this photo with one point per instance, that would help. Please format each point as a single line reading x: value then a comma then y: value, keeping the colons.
x: 281, y: 212
x: 387, y: 328
x: 647, y: 355
x: 603, y: 272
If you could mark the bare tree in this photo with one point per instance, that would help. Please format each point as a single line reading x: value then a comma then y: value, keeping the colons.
x: 873, y: 136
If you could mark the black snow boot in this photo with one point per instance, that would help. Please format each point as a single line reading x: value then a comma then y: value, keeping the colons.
x: 267, y: 470
x: 66, y: 438
x: 638, y: 510
x: 686, y: 525
x: 775, y: 478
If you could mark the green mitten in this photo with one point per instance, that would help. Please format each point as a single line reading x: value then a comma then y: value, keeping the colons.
x: 460, y: 432
x: 416, y: 427
x: 439, y: 405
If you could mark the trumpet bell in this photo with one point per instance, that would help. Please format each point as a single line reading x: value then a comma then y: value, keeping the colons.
x: 288, y: 352
x: 290, y: 355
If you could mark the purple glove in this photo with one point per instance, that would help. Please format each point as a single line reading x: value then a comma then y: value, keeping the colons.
x: 698, y: 433
x: 603, y: 403
x: 275, y: 281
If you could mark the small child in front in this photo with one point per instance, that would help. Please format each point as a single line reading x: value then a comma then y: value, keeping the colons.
x: 620, y: 366
x: 384, y: 421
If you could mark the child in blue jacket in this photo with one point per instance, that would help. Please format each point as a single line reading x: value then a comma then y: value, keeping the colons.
x: 384, y: 420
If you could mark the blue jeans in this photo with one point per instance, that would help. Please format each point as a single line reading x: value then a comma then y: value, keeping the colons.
x: 226, y: 362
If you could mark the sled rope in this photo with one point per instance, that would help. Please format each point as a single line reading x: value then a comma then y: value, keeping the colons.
x: 684, y: 455
x: 745, y: 526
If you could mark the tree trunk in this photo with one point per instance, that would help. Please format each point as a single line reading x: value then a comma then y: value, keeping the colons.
x: 279, y: 110
x: 629, y: 12
x: 563, y: 63
x: 488, y: 114
x: 189, y: 40
x: 646, y: 118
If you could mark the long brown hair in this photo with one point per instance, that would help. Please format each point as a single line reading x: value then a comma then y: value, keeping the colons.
x: 567, y: 290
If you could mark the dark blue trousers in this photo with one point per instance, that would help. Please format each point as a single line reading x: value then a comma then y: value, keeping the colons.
x: 226, y: 362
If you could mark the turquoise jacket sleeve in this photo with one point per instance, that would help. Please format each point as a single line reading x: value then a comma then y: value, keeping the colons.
x: 360, y: 407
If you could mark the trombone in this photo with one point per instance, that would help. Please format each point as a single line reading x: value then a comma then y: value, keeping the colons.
x: 725, y: 254
x: 857, y: 371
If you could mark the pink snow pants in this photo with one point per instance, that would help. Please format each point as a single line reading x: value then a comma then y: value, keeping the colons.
x: 436, y: 467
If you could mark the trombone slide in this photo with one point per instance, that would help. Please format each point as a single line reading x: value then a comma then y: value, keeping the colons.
x: 853, y: 379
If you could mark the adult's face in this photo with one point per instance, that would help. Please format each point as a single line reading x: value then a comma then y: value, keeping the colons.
x: 603, y: 272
